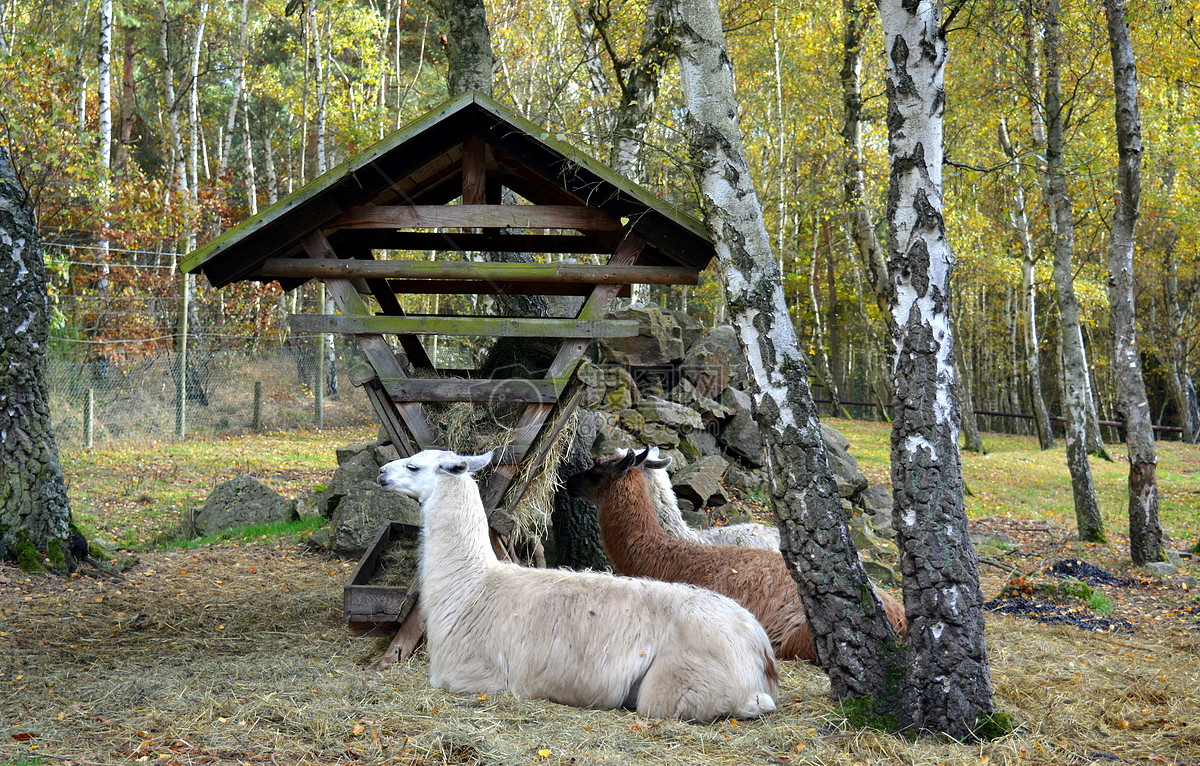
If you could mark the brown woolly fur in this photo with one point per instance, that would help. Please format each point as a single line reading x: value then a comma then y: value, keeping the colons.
x: 757, y: 579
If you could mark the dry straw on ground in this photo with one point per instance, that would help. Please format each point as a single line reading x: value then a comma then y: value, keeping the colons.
x: 238, y: 655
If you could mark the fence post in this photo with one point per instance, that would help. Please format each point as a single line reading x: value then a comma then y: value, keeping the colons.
x: 89, y: 418
x: 256, y: 417
x: 319, y: 390
x: 182, y: 346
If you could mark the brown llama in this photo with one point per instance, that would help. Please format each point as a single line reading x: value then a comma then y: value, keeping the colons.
x: 756, y: 578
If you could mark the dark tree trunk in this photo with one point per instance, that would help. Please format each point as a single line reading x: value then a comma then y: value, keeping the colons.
x: 34, y: 512
x: 853, y: 639
x: 1088, y: 521
x: 1145, y: 531
x: 947, y: 686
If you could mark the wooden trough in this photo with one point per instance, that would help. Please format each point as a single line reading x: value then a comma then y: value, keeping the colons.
x: 439, y: 185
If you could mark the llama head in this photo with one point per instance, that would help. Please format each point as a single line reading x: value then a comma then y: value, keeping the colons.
x: 417, y: 475
x: 594, y: 483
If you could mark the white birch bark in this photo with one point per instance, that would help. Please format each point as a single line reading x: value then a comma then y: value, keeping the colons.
x: 104, y: 109
x: 194, y: 114
x: 239, y: 87
x: 947, y: 685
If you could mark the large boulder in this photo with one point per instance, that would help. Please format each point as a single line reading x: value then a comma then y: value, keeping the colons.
x: 242, y: 502
x: 690, y: 327
x: 700, y: 482
x: 659, y: 340
x: 360, y: 506
x: 715, y: 361
x: 670, y: 414
x: 850, y: 481
x: 741, y: 435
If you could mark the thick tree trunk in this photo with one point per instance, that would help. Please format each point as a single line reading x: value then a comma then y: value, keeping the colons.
x: 468, y: 46
x: 1145, y: 531
x: 1088, y: 520
x: 34, y: 512
x: 947, y: 684
x: 854, y: 642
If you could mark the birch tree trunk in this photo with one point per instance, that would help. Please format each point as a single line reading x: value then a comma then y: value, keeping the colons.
x: 239, y: 87
x: 194, y: 116
x: 34, y: 511
x: 860, y: 227
x: 1075, y: 389
x: 104, y: 108
x: 947, y: 685
x: 1145, y: 531
x: 854, y: 642
x: 1019, y: 219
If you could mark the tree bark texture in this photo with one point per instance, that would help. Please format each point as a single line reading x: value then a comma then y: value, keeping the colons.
x: 1075, y: 393
x: 947, y: 684
x: 468, y: 46
x: 1145, y: 531
x: 854, y: 642
x: 33, y: 496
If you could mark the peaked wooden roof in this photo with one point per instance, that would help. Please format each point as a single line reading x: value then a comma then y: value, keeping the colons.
x: 422, y: 164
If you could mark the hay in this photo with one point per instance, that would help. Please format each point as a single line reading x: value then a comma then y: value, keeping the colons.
x: 238, y: 654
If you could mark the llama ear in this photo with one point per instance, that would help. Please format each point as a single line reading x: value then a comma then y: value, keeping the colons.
x: 476, y: 462
x: 657, y: 462
x: 625, y: 463
x: 454, y: 468
x: 641, y: 458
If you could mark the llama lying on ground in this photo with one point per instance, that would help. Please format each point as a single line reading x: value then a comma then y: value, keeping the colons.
x: 666, y: 506
x: 579, y: 638
x: 637, y: 546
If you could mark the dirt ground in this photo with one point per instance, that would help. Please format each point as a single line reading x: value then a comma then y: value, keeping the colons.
x: 238, y: 654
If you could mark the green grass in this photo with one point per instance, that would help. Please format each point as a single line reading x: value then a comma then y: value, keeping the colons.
x: 1016, y: 478
x: 130, y: 496
x: 279, y: 530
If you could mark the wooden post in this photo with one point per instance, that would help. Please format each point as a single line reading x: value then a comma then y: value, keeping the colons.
x: 89, y: 418
x: 256, y: 416
x: 319, y: 389
x: 181, y: 380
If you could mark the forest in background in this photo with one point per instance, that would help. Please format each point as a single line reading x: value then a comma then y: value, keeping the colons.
x: 220, y: 109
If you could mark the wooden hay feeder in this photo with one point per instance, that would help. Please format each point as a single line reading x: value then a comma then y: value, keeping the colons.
x: 397, y: 195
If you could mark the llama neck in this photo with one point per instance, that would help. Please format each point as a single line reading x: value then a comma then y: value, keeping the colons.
x: 666, y: 505
x: 455, y: 532
x: 628, y: 524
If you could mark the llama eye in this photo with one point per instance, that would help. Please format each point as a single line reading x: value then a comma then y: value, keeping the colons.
x: 412, y: 467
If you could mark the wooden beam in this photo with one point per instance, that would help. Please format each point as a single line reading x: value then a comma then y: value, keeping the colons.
x: 383, y: 293
x: 379, y: 354
x: 497, y: 327
x: 555, y: 273
x: 474, y: 171
x: 470, y: 216
x: 484, y: 242
x: 479, y: 390
x: 458, y: 287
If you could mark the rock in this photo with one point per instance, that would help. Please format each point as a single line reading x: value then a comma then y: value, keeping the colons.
x: 611, y: 438
x: 864, y: 537
x: 678, y: 461
x: 659, y: 339
x: 715, y: 361
x: 697, y: 444
x: 319, y: 539
x: 349, y: 451
x: 670, y: 414
x: 316, y: 501
x: 850, y: 480
x: 747, y: 483
x: 631, y: 420
x: 658, y: 435
x: 685, y: 506
x: 741, y: 435
x: 875, y: 500
x: 1174, y: 557
x: 1159, y: 568
x: 700, y: 482
x: 690, y: 327
x: 619, y: 398
x: 362, y: 468
x: 693, y: 519
x: 879, y: 572
x: 363, y: 512
x: 241, y: 502
x: 711, y: 411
